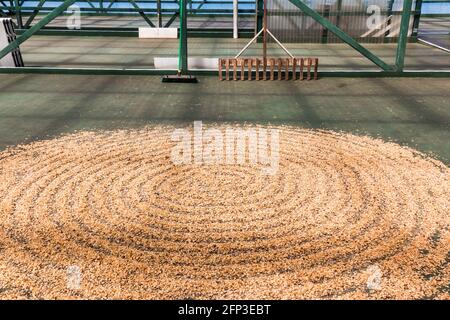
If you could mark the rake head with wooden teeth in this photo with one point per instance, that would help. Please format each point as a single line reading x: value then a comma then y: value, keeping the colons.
x: 286, y: 68
x: 270, y: 69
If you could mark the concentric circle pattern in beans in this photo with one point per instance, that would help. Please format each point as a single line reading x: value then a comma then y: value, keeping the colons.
x: 344, y: 216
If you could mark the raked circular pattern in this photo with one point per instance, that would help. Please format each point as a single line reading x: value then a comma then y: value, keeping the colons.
x: 343, y: 217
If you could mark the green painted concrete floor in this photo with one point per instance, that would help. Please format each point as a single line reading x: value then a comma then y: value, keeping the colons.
x: 413, y: 112
x: 118, y: 52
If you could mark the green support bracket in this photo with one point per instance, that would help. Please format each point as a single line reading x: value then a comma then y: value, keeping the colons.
x: 92, y: 6
x: 341, y: 34
x: 171, y: 20
x: 199, y: 6
x: 38, y: 26
x: 111, y: 4
x: 142, y: 13
x: 403, y: 36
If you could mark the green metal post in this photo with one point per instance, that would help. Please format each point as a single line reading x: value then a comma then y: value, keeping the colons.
x: 338, y: 16
x: 259, y: 15
x: 158, y: 13
x: 326, y: 14
x: 44, y: 21
x: 18, y: 14
x: 341, y: 34
x: 403, y: 36
x: 417, y: 14
x: 182, y: 49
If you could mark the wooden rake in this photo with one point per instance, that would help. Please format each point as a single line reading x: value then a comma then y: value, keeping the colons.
x: 273, y: 69
x: 269, y: 68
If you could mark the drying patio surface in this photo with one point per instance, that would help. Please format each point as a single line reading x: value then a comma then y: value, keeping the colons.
x: 413, y: 112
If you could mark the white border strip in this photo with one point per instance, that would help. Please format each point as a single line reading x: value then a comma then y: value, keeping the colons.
x: 434, y: 45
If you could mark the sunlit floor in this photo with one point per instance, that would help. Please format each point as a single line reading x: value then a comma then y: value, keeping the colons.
x: 413, y: 112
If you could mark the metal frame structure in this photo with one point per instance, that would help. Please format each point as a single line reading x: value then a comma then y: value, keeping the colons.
x: 387, y: 70
x: 152, y: 16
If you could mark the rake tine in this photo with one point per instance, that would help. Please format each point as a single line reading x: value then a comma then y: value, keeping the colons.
x: 294, y: 69
x: 280, y: 68
x: 309, y: 69
x: 250, y: 69
x: 242, y: 69
x: 220, y: 70
x: 302, y: 62
x: 286, y: 76
x: 235, y: 67
x: 257, y: 68
x: 264, y: 69
x: 316, y: 66
x: 272, y: 66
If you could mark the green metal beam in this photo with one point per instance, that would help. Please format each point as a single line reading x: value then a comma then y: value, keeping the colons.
x: 403, y: 35
x: 182, y: 49
x: 44, y: 21
x: 33, y: 15
x: 111, y: 3
x: 341, y: 34
x: 159, y: 72
x: 133, y: 32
